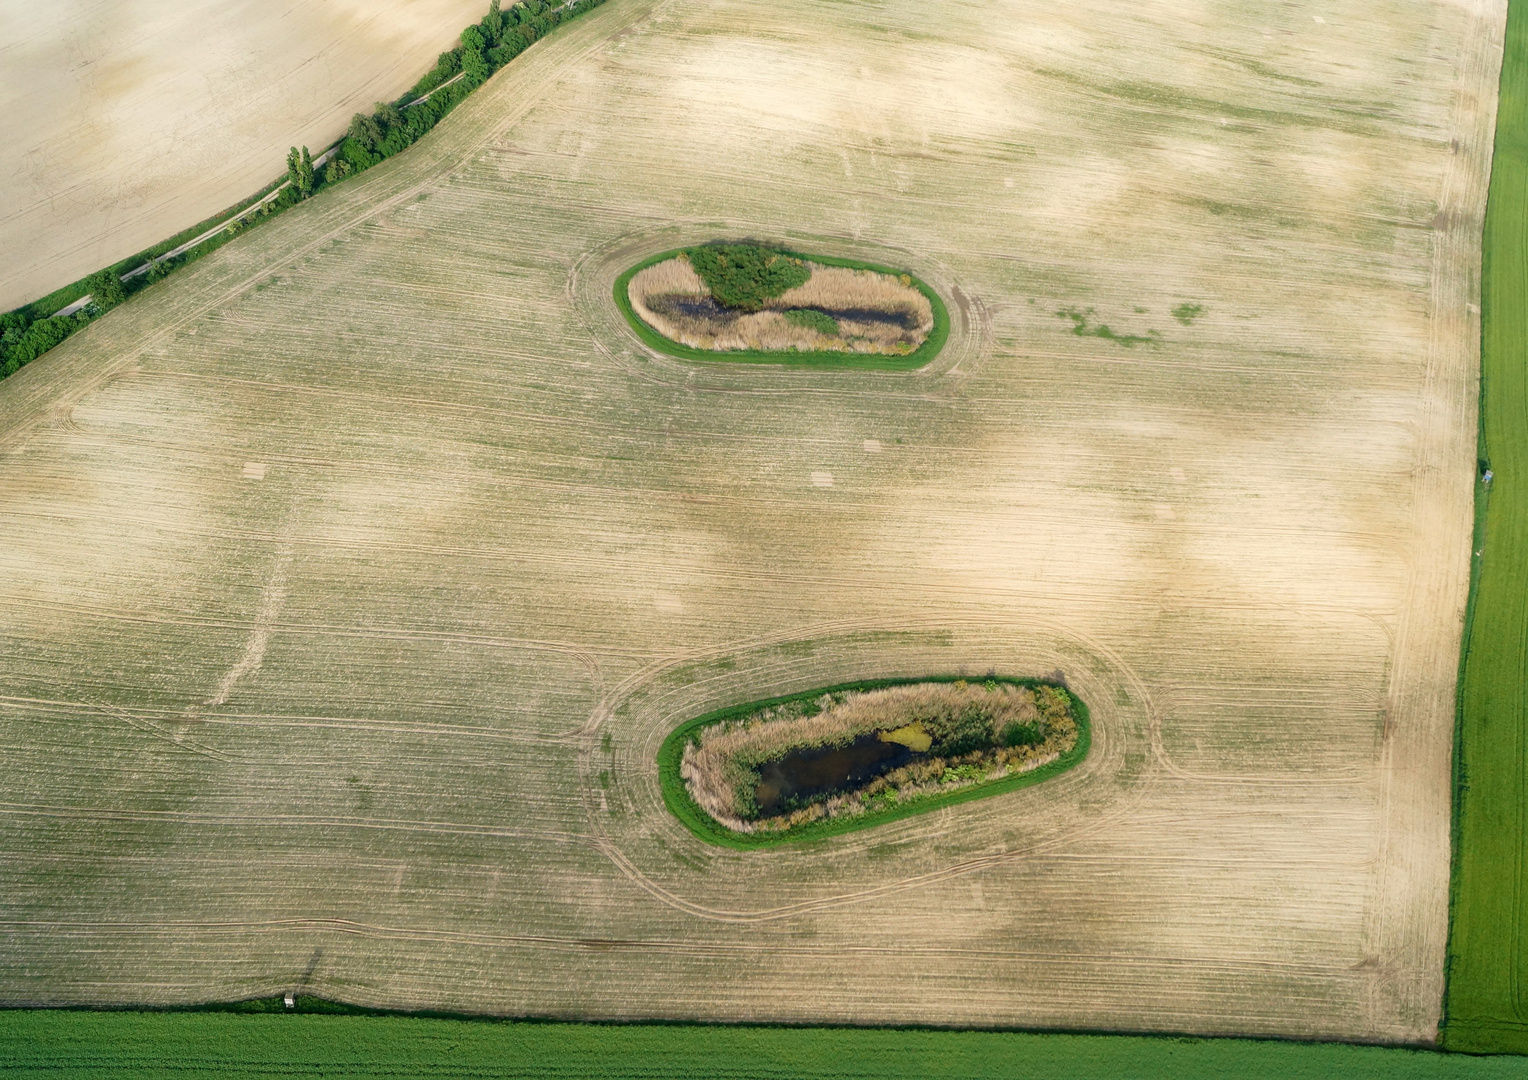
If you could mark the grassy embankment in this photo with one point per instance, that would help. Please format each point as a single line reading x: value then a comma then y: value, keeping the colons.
x: 677, y: 796
x: 1486, y: 1008
x: 229, y: 1046
x: 858, y: 361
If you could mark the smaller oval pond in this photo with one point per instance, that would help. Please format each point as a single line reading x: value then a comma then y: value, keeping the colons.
x: 746, y: 302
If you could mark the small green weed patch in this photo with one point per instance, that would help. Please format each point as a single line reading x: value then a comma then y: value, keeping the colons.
x: 814, y: 320
x: 1083, y: 326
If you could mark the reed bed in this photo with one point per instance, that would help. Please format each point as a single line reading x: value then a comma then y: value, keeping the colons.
x: 665, y: 296
x: 721, y: 767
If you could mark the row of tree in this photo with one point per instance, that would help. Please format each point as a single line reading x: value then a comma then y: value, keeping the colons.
x: 24, y: 338
x: 486, y: 46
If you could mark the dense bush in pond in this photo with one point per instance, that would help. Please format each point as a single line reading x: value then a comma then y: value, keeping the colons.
x: 745, y: 277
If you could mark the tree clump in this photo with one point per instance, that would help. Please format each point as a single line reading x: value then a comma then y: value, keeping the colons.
x: 745, y: 277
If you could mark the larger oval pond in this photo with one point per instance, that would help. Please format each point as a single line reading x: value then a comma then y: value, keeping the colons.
x: 850, y: 756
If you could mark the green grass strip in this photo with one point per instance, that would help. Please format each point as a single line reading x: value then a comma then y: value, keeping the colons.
x: 827, y: 359
x: 156, y: 1046
x: 676, y: 796
x: 1486, y: 1005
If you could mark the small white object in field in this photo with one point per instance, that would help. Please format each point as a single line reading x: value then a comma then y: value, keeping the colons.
x: 822, y: 479
x: 1319, y: 19
x: 290, y: 999
x: 872, y: 446
x: 254, y: 470
x: 1486, y: 478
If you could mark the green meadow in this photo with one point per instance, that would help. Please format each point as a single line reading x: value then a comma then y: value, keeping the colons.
x: 87, y: 1045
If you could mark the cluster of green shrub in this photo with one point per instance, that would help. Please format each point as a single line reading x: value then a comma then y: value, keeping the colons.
x: 745, y: 277
x: 813, y: 319
x: 974, y: 730
x: 486, y: 46
x: 24, y: 337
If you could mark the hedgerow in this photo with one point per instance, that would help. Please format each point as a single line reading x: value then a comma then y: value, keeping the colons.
x: 392, y: 127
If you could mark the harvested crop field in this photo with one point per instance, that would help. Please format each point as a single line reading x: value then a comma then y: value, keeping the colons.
x: 353, y: 577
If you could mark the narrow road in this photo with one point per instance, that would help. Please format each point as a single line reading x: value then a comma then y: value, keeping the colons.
x: 202, y: 237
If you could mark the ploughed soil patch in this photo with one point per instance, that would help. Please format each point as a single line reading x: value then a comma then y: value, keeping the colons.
x: 739, y: 297
x: 856, y: 751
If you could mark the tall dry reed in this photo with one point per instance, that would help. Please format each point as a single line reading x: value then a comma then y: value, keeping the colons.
x: 659, y: 294
x: 725, y: 758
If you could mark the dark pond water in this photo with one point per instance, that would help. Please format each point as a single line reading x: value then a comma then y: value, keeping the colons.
x: 901, y: 318
x: 703, y: 307
x: 692, y: 307
x: 807, y: 774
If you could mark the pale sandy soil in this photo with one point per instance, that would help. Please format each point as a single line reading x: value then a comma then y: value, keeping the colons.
x: 123, y: 123
x: 328, y: 565
x: 847, y: 294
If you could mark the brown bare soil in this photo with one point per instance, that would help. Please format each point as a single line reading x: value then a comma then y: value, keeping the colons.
x: 875, y: 312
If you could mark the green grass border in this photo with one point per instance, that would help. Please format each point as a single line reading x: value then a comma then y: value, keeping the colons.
x: 1483, y: 1001
x: 214, y: 1043
x: 919, y: 357
x: 676, y: 796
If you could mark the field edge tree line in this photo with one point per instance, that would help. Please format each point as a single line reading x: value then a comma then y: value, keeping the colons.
x: 485, y: 46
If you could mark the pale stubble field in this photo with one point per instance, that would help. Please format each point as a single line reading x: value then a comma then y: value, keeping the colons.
x: 122, y: 124
x: 492, y: 530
